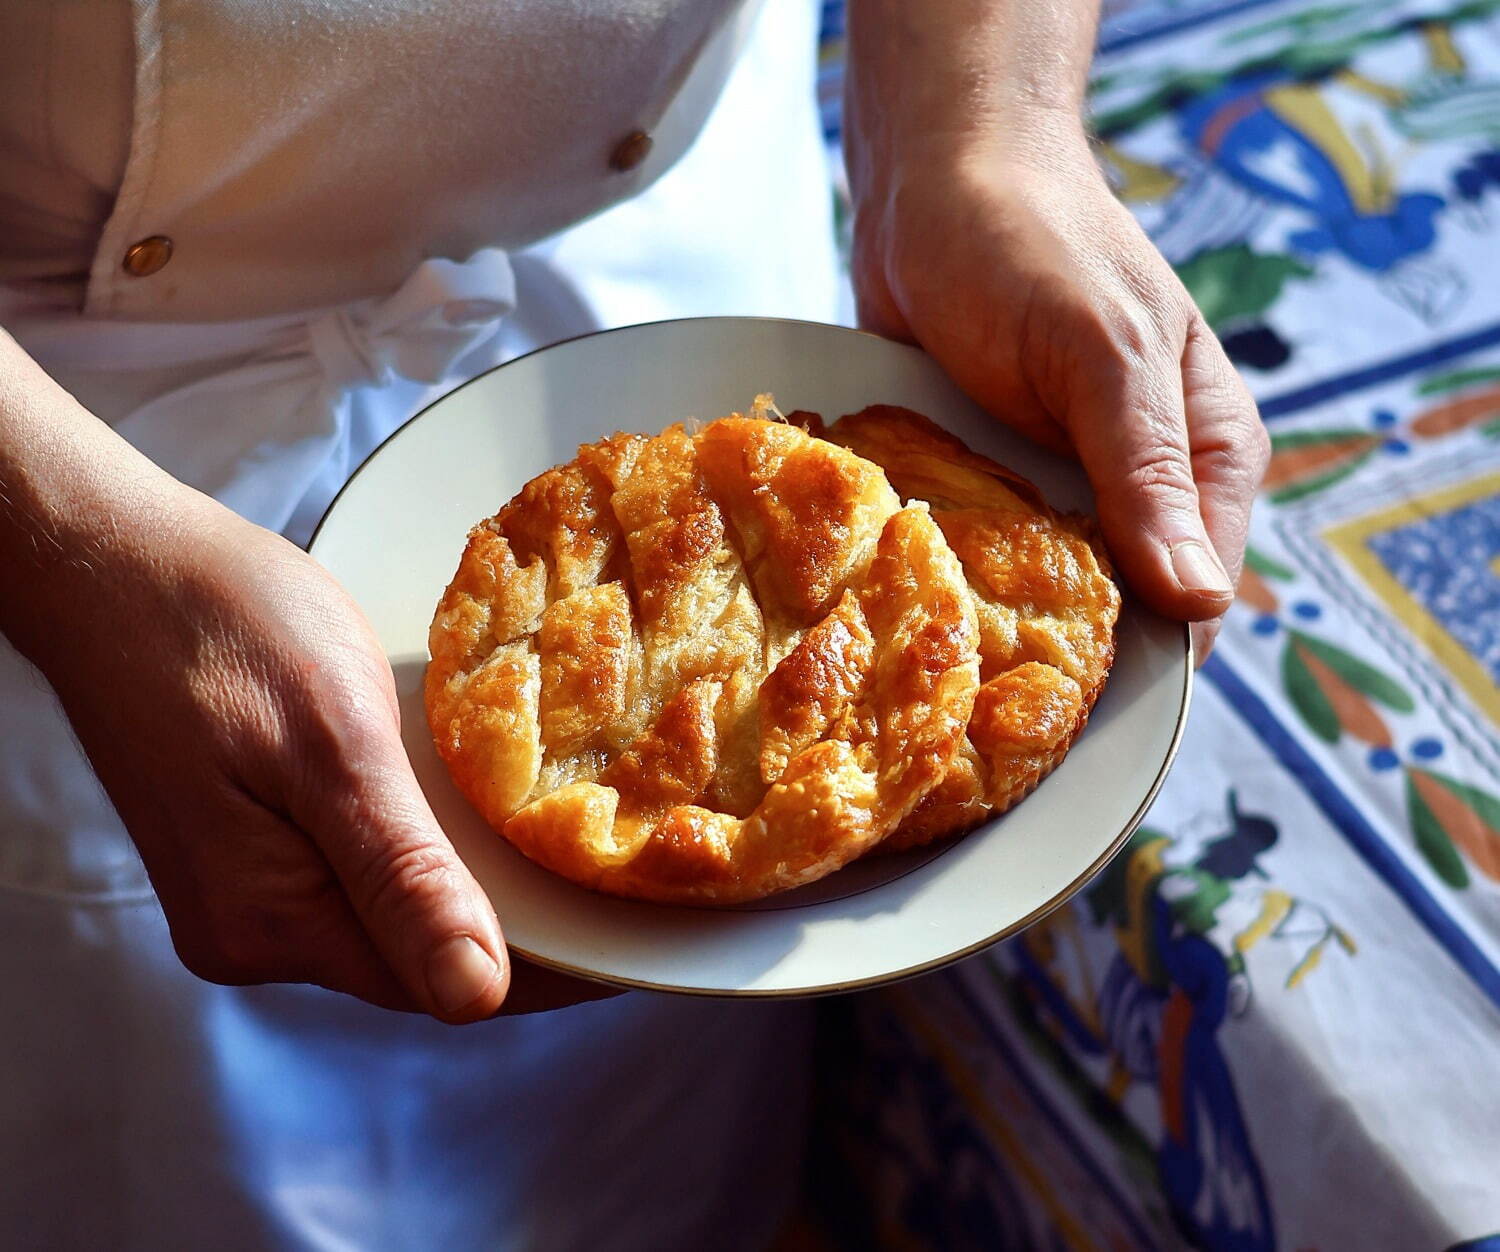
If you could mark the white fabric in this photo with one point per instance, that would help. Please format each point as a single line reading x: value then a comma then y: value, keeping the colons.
x: 272, y: 141
x: 294, y: 374
x: 65, y: 114
x: 143, y: 1109
x: 277, y: 156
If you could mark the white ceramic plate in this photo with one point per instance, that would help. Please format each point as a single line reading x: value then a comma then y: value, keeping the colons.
x: 393, y: 537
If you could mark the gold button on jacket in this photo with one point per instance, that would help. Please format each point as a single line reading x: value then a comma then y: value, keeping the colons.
x: 144, y: 258
x: 630, y: 151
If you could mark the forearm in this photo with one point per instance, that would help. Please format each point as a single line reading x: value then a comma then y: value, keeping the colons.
x: 937, y: 81
x: 74, y: 497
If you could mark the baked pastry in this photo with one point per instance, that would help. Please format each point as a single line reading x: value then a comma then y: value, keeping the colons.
x: 1043, y: 596
x: 705, y: 667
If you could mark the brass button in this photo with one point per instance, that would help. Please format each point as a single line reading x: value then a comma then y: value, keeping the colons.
x: 630, y: 152
x: 146, y: 257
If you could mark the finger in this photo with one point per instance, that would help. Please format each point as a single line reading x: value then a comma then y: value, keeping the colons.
x: 416, y: 900
x: 327, y: 946
x: 1125, y: 415
x: 536, y: 989
x: 259, y: 904
x: 337, y: 954
x: 1204, y: 634
x: 1230, y: 451
x: 1227, y: 441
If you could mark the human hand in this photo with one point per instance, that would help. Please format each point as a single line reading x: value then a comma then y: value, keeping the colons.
x: 1014, y: 266
x: 238, y: 710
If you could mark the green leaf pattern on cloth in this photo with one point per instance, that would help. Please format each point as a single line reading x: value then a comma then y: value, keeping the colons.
x: 1432, y: 840
x: 1307, y: 696
x: 1362, y: 677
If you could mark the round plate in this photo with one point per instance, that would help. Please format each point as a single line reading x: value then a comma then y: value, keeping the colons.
x: 394, y: 536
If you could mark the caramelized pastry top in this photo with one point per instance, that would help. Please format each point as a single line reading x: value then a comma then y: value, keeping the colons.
x: 704, y: 667
x: 1044, y: 599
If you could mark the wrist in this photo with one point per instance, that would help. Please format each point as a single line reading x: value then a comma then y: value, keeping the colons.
x: 81, y: 512
x: 68, y: 577
x: 1048, y: 171
x: 952, y: 83
x: 1029, y: 146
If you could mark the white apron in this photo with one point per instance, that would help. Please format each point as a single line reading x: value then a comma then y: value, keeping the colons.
x: 143, y: 1109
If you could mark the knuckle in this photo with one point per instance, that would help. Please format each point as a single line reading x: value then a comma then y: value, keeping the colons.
x: 394, y: 877
x: 340, y: 729
x: 1139, y: 330
x: 209, y: 958
x: 1229, y: 474
x: 1160, y: 474
x: 1124, y: 338
x: 239, y: 943
x: 1209, y: 369
x: 1239, y: 454
x: 1228, y: 423
x: 1223, y: 462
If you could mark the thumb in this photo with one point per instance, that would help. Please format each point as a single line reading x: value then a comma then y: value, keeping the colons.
x: 1130, y: 432
x: 420, y: 906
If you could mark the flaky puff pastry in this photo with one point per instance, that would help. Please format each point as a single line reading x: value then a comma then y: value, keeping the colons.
x: 1043, y: 597
x: 702, y: 668
x: 707, y: 667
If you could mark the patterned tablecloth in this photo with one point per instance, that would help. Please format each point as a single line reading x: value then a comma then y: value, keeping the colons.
x: 1274, y: 1021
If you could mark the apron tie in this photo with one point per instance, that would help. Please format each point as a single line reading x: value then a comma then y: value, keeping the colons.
x: 418, y: 331
x: 258, y: 433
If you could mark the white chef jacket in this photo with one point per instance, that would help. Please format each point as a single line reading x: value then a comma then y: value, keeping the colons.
x: 141, y: 1108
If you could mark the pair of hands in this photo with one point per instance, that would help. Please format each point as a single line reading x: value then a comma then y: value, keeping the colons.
x: 243, y: 719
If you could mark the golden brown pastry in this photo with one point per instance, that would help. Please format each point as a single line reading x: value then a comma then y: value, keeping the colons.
x: 1044, y: 599
x: 702, y: 668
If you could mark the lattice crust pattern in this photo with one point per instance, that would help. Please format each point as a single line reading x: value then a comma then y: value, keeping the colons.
x: 708, y: 666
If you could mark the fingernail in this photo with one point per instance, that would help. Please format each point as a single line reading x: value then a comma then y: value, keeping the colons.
x: 1197, y: 569
x: 459, y: 971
